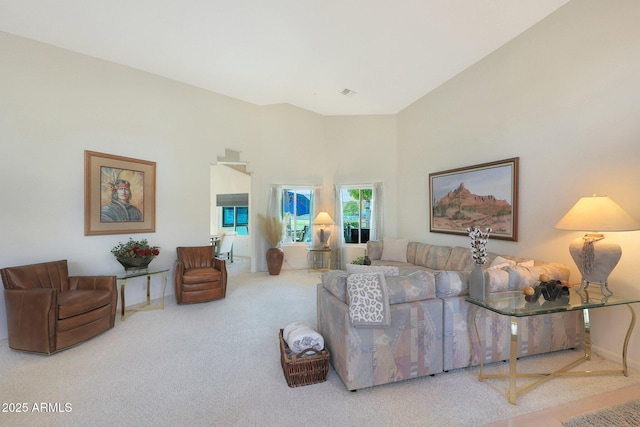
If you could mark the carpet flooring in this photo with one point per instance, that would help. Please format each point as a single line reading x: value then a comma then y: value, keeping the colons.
x: 217, y: 364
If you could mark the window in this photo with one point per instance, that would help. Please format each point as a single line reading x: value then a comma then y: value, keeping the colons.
x: 228, y: 216
x: 235, y: 211
x: 236, y: 217
x: 356, y: 213
x: 242, y: 215
x: 297, y: 212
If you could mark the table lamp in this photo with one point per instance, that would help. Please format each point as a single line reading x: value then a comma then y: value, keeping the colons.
x: 595, y: 257
x: 323, y: 219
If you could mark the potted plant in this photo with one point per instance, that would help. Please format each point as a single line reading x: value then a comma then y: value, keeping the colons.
x: 135, y: 254
x: 273, y: 230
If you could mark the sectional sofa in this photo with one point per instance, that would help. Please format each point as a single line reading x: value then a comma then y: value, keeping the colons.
x: 430, y: 329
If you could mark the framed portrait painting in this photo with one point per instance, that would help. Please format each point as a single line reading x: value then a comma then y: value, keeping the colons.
x: 484, y: 195
x: 119, y: 194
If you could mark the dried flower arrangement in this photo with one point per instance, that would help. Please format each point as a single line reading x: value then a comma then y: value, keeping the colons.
x: 272, y: 228
x: 479, y: 241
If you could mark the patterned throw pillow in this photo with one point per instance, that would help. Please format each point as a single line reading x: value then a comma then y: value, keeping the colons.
x: 368, y: 300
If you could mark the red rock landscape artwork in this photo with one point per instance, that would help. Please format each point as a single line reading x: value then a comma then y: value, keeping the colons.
x: 483, y: 196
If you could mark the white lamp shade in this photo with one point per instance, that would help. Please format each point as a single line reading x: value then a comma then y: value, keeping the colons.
x: 323, y: 218
x: 597, y: 213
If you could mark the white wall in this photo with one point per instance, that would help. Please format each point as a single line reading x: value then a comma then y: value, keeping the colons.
x: 565, y: 98
x: 54, y: 104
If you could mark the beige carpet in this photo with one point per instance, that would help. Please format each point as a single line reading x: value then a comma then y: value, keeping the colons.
x: 218, y: 364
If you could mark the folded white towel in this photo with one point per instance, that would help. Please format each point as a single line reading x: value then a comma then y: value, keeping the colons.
x: 300, y: 336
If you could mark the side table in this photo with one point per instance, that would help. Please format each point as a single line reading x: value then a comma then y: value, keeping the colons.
x: 513, y: 305
x: 312, y: 259
x: 123, y: 277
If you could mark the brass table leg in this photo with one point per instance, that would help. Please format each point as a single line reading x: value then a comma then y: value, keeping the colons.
x: 513, y: 360
x: 626, y: 340
x: 147, y: 305
x: 480, y: 355
x: 587, y: 334
x: 122, y: 285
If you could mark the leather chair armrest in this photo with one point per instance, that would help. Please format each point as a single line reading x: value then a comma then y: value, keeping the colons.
x: 219, y: 264
x: 179, y: 268
x: 177, y: 280
x: 179, y: 272
x: 31, y: 319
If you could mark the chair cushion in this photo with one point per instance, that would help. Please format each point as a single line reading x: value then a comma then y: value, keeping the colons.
x: 199, y: 287
x: 200, y: 275
x: 73, y: 303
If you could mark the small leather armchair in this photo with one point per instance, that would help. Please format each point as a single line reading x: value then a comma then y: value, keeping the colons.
x: 48, y: 311
x: 199, y: 275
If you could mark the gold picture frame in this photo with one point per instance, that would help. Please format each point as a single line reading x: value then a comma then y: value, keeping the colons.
x: 484, y: 195
x: 119, y: 194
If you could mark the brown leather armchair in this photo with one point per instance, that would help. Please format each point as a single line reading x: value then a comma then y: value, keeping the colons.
x: 199, y: 276
x: 48, y: 311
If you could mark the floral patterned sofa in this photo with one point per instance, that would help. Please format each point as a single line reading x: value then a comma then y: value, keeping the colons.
x: 430, y: 328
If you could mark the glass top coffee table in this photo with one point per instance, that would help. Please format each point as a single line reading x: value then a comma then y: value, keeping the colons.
x: 514, y: 305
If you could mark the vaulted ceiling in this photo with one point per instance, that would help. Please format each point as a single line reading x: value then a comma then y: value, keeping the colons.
x: 386, y: 54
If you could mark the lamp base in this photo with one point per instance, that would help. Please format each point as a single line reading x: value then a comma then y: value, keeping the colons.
x: 596, y: 259
x: 323, y: 236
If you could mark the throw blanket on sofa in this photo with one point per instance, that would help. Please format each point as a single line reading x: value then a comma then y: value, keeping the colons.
x: 299, y: 336
x: 368, y: 300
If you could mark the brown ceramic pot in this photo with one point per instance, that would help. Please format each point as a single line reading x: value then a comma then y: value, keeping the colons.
x: 275, y: 257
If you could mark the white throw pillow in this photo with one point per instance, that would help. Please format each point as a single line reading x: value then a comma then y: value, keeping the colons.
x: 500, y: 262
x: 387, y: 270
x: 528, y: 263
x: 394, y: 250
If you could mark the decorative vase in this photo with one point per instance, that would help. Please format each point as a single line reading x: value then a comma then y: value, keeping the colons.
x: 478, y: 283
x: 275, y: 257
x: 131, y: 264
x: 366, y: 260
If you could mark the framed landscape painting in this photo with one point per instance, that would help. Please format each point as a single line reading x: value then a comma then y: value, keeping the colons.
x: 483, y: 196
x: 119, y: 194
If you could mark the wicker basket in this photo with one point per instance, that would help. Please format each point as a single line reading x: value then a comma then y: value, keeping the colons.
x: 303, y: 369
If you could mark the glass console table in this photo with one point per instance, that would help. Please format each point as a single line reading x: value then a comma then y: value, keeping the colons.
x: 312, y: 259
x: 123, y: 277
x: 514, y: 305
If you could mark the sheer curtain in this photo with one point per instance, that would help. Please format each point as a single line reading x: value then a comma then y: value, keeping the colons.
x: 318, y: 204
x: 274, y: 202
x: 377, y: 218
x: 337, y: 242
